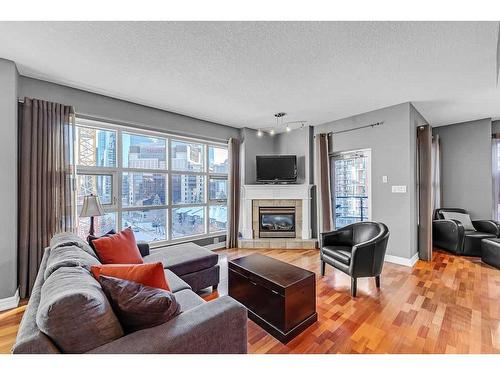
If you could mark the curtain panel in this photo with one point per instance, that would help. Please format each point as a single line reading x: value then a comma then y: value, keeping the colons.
x: 46, y: 182
x: 324, y: 197
x: 233, y: 199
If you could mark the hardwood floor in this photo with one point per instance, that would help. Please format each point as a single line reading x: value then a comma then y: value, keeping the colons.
x: 448, y: 305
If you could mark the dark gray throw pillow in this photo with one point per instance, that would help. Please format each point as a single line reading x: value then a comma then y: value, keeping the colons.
x: 138, y: 306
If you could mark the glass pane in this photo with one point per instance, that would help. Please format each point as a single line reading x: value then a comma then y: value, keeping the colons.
x: 100, y: 185
x: 188, y: 189
x: 187, y: 156
x: 102, y: 224
x: 217, y: 159
x: 96, y: 147
x: 148, y: 225
x: 144, y: 152
x: 350, y: 188
x: 188, y: 221
x: 217, y: 218
x: 144, y: 189
x: 217, y: 189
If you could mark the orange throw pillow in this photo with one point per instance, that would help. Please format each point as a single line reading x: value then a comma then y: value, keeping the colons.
x: 149, y: 274
x: 119, y: 248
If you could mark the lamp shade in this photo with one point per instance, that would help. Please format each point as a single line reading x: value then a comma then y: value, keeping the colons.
x: 91, y: 206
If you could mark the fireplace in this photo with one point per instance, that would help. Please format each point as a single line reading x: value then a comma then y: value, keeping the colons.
x: 277, y: 222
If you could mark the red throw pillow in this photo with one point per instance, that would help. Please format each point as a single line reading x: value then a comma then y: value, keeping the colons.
x: 119, y: 248
x: 149, y: 274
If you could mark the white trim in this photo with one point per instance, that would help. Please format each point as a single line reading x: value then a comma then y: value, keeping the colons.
x: 408, y: 262
x: 216, y: 246
x: 10, y: 302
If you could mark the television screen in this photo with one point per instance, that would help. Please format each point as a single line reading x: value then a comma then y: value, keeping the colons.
x: 277, y: 168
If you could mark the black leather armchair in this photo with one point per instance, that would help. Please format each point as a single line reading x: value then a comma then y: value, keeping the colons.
x: 450, y: 235
x: 357, y: 250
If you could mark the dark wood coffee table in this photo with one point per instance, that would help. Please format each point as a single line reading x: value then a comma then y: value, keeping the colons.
x: 280, y: 297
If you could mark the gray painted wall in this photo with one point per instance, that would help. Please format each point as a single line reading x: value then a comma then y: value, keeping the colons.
x: 296, y: 142
x: 8, y: 187
x: 116, y: 110
x: 466, y: 167
x: 393, y: 154
x: 251, y: 147
x: 495, y: 127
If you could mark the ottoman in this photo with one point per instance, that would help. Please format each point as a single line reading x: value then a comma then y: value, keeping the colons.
x: 490, y: 252
x: 194, y: 264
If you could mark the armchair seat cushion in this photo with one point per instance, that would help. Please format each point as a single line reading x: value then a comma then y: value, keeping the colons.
x: 339, y: 253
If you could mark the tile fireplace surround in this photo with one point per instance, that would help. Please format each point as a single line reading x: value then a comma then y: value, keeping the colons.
x: 297, y: 196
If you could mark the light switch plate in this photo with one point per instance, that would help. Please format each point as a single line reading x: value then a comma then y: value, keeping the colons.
x: 399, y: 188
x: 384, y: 179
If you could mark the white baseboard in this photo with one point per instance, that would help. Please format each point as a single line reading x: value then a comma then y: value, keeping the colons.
x: 216, y: 246
x: 408, y: 262
x: 10, y: 302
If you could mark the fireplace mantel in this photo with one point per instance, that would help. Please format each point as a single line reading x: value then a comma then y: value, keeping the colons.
x: 282, y: 192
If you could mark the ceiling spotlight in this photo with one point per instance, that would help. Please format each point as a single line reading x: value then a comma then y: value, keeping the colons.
x: 259, y: 133
x: 288, y: 128
x: 271, y: 132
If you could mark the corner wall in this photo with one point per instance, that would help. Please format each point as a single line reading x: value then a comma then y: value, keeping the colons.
x: 8, y: 187
x: 392, y: 154
x: 466, y: 167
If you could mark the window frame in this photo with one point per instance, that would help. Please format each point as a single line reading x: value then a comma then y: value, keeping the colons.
x: 116, y: 172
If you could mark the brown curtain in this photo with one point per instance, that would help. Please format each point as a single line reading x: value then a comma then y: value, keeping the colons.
x: 46, y: 171
x: 323, y: 183
x: 425, y: 196
x: 233, y: 201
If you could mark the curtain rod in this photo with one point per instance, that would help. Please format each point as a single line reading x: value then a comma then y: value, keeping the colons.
x: 359, y: 127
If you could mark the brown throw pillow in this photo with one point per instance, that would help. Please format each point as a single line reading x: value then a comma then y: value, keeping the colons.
x: 138, y: 306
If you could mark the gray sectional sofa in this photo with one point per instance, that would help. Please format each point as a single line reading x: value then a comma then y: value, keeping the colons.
x: 218, y: 326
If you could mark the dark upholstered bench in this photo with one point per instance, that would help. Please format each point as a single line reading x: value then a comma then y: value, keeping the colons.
x: 194, y: 264
x: 490, y: 252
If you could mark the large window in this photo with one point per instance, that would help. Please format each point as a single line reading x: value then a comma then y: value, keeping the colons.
x: 165, y: 188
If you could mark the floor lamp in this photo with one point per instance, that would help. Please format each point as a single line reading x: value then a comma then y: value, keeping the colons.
x: 91, y: 207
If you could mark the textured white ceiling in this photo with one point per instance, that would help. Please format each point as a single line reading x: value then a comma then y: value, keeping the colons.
x: 241, y: 73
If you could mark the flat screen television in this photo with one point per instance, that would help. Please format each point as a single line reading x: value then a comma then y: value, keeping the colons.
x: 276, y: 168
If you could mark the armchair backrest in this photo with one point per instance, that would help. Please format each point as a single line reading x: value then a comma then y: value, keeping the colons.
x: 438, y: 213
x: 366, y: 230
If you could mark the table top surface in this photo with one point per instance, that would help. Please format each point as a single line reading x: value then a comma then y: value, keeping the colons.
x: 273, y: 270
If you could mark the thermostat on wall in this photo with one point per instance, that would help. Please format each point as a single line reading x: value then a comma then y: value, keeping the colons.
x: 399, y: 189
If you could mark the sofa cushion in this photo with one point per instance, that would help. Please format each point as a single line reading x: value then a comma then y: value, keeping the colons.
x: 68, y: 256
x: 75, y: 313
x: 175, y: 282
x: 139, y: 306
x: 149, y: 274
x: 188, y: 299
x: 183, y: 258
x: 463, y: 218
x: 91, y: 238
x: 71, y: 239
x: 339, y: 253
x: 119, y: 248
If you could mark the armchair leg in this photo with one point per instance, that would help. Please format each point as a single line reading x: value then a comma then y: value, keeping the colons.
x: 215, y: 287
x: 323, y: 264
x: 354, y: 285
x: 377, y: 281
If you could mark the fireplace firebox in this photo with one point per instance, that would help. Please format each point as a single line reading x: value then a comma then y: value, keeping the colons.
x: 277, y: 222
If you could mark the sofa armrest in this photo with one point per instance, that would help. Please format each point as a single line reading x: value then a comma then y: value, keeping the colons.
x: 143, y: 248
x: 218, y: 326
x: 448, y: 235
x: 487, y: 226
